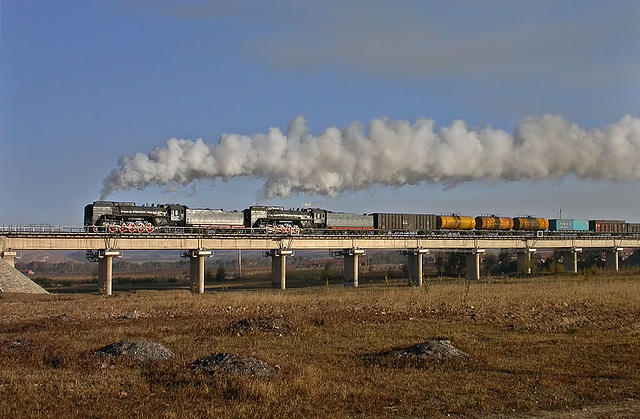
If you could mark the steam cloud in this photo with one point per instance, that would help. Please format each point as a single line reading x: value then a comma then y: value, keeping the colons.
x: 390, y: 153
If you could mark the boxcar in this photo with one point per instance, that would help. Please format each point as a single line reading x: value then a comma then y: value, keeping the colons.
x: 567, y: 224
x: 404, y: 222
x: 608, y: 226
x: 633, y: 228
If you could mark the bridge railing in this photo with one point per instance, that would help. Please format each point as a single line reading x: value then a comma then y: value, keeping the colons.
x: 47, y: 229
x: 41, y: 229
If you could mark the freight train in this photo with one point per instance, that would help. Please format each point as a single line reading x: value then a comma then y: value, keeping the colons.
x: 130, y: 217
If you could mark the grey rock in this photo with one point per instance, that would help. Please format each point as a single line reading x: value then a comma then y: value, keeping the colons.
x: 233, y: 365
x: 135, y: 350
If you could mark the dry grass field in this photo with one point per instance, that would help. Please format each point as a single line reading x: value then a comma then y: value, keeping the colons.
x: 551, y: 347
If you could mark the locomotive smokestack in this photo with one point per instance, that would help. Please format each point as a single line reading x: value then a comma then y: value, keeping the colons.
x: 390, y: 153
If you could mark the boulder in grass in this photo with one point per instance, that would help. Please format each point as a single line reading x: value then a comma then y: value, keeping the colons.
x: 269, y: 325
x: 136, y: 350
x: 439, y: 349
x: 231, y: 365
x: 421, y: 355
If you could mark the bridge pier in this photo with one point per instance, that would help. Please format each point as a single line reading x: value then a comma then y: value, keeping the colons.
x: 279, y: 267
x: 9, y: 256
x: 570, y: 260
x: 196, y: 268
x: 105, y: 268
x: 351, y: 260
x: 611, y: 259
x: 472, y: 263
x: 524, y: 261
x: 414, y: 265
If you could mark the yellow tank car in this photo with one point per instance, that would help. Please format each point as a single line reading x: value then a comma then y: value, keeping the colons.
x: 494, y: 223
x: 530, y: 223
x: 455, y: 222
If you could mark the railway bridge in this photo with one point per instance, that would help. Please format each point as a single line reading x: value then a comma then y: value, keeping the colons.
x: 197, y: 244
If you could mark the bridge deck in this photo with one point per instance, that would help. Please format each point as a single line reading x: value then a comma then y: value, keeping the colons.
x: 76, y: 239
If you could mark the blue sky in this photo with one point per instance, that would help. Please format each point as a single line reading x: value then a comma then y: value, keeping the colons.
x: 83, y: 83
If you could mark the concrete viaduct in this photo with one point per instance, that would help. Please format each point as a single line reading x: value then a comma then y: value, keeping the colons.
x: 106, y: 246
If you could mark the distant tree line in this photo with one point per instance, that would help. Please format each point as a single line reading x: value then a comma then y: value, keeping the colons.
x: 453, y: 264
x: 449, y: 264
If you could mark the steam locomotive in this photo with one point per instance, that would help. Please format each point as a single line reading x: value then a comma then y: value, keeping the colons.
x: 133, y: 218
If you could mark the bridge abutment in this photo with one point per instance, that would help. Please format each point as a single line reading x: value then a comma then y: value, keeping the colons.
x: 9, y: 256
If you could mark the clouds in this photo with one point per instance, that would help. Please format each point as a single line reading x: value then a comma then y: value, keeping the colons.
x: 507, y: 54
x: 429, y: 39
x: 390, y: 153
x: 488, y: 40
x: 533, y: 56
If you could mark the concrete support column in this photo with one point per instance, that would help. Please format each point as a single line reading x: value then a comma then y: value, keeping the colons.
x: 472, y: 262
x: 524, y: 261
x: 414, y: 265
x: 279, y: 272
x: 351, y: 270
x: 279, y: 267
x: 196, y: 268
x: 570, y: 260
x: 9, y: 256
x: 611, y: 259
x: 105, y: 271
x: 351, y: 260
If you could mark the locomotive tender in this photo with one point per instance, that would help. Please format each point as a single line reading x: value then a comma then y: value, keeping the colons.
x: 133, y: 218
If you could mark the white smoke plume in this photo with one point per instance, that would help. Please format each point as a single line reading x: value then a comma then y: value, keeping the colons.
x: 390, y: 153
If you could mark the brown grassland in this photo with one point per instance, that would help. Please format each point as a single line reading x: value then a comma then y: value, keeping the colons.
x: 565, y: 346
